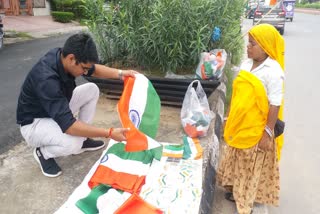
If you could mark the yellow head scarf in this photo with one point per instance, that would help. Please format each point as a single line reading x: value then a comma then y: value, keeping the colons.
x: 270, y: 40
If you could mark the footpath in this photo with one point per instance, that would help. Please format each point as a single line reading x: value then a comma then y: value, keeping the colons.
x: 21, y: 28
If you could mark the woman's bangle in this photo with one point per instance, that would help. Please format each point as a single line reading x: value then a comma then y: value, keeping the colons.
x: 269, y: 131
x: 110, y: 132
x: 120, y: 74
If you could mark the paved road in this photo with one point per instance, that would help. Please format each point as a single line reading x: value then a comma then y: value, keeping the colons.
x: 300, y: 174
x: 16, y: 60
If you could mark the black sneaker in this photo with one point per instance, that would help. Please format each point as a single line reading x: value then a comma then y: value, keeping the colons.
x: 92, y: 145
x: 48, y: 167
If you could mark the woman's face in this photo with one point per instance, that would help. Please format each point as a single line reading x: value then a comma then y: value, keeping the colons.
x: 254, y: 51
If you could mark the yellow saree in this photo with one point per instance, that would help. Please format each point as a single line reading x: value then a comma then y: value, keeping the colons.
x: 248, y: 112
x: 273, y: 44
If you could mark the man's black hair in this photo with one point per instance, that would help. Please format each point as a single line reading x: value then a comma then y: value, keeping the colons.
x: 83, y: 48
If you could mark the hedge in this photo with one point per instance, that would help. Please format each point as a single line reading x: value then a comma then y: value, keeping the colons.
x: 63, y: 17
x: 164, y: 35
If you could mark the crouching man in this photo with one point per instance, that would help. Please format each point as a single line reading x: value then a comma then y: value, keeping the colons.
x: 49, y: 100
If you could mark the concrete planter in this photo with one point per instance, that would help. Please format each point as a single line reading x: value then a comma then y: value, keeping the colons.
x: 171, y: 91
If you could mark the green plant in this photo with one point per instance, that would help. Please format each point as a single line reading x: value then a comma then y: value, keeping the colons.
x: 168, y: 34
x: 63, y: 17
x: 230, y: 76
x: 74, y: 6
x: 78, y: 8
x: 15, y: 34
x: 315, y: 5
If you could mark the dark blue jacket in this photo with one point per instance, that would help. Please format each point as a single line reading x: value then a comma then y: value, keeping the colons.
x: 46, y: 92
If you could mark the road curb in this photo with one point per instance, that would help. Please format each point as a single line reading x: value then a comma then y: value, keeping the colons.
x: 12, y: 36
x: 307, y: 11
x: 211, y: 148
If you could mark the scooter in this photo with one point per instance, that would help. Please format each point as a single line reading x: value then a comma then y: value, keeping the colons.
x: 1, y: 30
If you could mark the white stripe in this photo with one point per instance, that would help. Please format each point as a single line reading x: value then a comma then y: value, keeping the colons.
x: 193, y: 148
x: 174, y: 152
x: 152, y: 143
x: 139, y: 94
x: 170, y: 151
x: 127, y: 166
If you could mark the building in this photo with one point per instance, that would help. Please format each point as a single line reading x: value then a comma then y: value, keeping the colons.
x: 25, y: 7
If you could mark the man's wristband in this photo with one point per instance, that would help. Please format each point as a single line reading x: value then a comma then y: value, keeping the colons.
x: 120, y: 74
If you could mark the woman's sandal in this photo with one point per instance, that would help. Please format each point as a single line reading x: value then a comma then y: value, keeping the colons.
x: 229, y: 196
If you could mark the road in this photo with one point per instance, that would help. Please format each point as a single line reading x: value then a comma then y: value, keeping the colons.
x: 299, y: 166
x: 16, y: 60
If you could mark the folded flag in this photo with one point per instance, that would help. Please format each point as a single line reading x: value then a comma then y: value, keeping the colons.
x: 121, y: 170
x: 172, y: 150
x: 192, y: 148
x: 135, y: 204
x: 139, y: 110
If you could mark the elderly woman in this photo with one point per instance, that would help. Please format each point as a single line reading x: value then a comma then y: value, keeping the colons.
x: 249, y: 168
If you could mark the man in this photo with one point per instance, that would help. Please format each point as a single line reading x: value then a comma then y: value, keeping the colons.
x: 49, y: 99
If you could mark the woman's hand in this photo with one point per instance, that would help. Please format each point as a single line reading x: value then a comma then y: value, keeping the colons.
x: 265, y: 143
x: 118, y: 134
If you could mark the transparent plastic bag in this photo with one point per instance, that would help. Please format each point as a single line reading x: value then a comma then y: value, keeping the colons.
x: 195, y: 112
x: 211, y: 64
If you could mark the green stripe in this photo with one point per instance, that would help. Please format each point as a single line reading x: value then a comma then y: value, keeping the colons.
x: 157, y: 152
x: 151, y: 116
x: 145, y: 156
x: 174, y: 147
x: 186, y: 150
x: 88, y: 205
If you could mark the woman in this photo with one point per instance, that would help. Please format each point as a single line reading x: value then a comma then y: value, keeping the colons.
x: 249, y: 167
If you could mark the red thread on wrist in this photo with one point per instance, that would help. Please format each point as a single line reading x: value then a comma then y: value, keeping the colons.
x: 110, y: 132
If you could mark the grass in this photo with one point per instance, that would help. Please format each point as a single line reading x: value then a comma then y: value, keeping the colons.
x: 315, y: 5
x: 15, y: 34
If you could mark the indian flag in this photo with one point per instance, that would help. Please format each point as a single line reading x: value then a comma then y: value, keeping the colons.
x: 139, y: 110
x: 172, y: 150
x: 118, y: 169
x: 192, y: 148
x: 124, y: 165
x: 124, y: 170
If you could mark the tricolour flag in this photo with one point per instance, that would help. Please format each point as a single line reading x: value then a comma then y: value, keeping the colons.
x: 172, y: 150
x: 192, y: 148
x: 135, y: 204
x: 123, y: 170
x: 124, y: 165
x: 139, y: 110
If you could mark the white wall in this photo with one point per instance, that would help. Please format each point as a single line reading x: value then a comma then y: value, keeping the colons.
x: 42, y: 11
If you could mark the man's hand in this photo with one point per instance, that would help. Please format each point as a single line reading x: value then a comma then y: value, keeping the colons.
x: 102, y: 71
x: 265, y: 143
x: 127, y: 73
x: 118, y: 134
